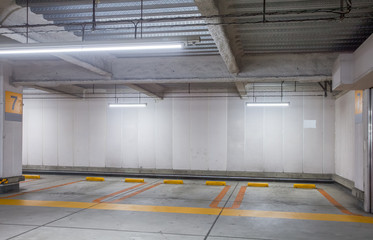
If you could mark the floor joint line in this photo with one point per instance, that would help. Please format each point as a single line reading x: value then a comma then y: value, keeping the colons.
x: 217, y: 217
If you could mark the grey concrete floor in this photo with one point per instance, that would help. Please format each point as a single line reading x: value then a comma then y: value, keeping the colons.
x: 147, y: 213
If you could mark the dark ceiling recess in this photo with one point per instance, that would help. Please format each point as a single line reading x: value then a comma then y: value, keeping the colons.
x: 260, y: 26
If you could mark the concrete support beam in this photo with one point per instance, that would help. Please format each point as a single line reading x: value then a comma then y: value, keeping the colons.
x: 70, y: 90
x: 156, y: 92
x: 209, y: 8
x: 11, y: 132
x: 12, y: 14
x: 354, y: 71
x: 241, y: 89
x: 51, y: 83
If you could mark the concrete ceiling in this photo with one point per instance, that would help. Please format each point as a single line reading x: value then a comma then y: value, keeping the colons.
x: 294, y: 41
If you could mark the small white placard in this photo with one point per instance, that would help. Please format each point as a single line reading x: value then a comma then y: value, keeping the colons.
x: 309, y: 124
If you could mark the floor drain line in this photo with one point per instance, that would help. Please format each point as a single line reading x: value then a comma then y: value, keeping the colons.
x: 217, y: 217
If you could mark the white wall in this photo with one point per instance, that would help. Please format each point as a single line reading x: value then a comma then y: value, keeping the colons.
x: 191, y: 134
x: 348, y: 141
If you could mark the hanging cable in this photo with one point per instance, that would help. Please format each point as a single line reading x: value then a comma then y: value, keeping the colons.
x: 27, y: 23
x: 94, y: 6
x: 141, y: 19
x: 264, y: 11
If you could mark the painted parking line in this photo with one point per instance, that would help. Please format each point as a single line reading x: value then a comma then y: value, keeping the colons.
x: 334, y: 202
x: 135, y: 193
x: 297, y: 216
x: 26, y: 181
x: 41, y: 189
x: 237, y: 202
x: 192, y: 210
x: 217, y: 200
x: 240, y: 195
x: 116, y: 193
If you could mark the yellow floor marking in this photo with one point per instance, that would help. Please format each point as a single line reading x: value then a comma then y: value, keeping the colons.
x: 308, y: 186
x: 31, y: 176
x: 296, y: 215
x: 251, y: 184
x: 191, y: 210
x: 164, y: 209
x: 37, y: 203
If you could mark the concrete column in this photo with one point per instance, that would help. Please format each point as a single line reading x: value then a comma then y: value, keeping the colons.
x: 11, y: 106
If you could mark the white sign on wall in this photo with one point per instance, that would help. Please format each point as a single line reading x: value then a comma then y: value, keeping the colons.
x: 309, y: 124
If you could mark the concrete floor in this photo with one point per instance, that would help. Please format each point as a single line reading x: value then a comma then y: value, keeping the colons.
x: 68, y: 207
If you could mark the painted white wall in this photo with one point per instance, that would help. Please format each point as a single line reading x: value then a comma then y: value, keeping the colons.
x: 11, y: 131
x: 190, y: 134
x: 348, y: 141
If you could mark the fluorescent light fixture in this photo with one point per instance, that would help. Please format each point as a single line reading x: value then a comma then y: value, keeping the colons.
x: 39, y: 48
x: 268, y: 104
x: 127, y: 105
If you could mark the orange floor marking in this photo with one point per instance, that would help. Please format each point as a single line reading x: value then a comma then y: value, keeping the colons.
x: 334, y: 202
x: 217, y: 200
x: 116, y: 193
x: 240, y: 195
x: 28, y: 180
x: 135, y: 193
x: 41, y: 189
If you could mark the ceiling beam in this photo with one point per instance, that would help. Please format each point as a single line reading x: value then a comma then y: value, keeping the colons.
x: 73, y: 91
x: 156, y: 92
x: 241, y: 89
x: 13, y: 14
x: 21, y: 82
x: 67, y: 58
x: 209, y: 8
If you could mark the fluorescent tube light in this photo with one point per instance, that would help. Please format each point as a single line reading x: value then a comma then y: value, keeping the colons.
x: 87, y: 47
x: 263, y: 104
x: 127, y: 105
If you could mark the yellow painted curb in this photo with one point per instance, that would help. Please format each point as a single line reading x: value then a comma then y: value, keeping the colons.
x: 97, y: 179
x: 215, y: 183
x: 308, y: 186
x: 31, y: 176
x: 173, y: 181
x: 252, y: 184
x: 134, y: 180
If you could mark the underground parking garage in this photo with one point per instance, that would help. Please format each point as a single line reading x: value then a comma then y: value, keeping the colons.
x: 188, y: 119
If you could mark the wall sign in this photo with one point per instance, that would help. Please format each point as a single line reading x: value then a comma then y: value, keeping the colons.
x: 13, y: 106
x: 358, y: 106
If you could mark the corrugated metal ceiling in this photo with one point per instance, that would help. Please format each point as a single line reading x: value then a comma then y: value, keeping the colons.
x: 287, y: 26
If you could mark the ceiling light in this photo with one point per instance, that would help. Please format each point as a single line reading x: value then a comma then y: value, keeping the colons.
x: 127, y: 105
x: 268, y: 104
x: 39, y: 48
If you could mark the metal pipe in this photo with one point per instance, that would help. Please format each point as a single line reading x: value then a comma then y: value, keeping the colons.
x: 264, y: 11
x: 27, y: 22
x: 370, y: 150
x: 184, y: 176
x: 93, y: 15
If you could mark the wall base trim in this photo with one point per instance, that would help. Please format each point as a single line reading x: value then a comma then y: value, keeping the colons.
x: 350, y: 185
x: 187, y: 174
x: 7, y: 188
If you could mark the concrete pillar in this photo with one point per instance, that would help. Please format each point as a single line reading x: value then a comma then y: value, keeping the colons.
x: 11, y: 131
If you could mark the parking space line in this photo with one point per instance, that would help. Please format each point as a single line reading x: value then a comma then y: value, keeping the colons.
x: 334, y: 202
x: 41, y: 189
x: 116, y: 193
x: 30, y: 180
x: 134, y: 194
x: 192, y: 210
x: 240, y: 195
x: 297, y: 216
x: 217, y: 200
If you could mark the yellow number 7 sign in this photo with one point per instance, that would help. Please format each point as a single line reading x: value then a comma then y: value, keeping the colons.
x: 13, y: 106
